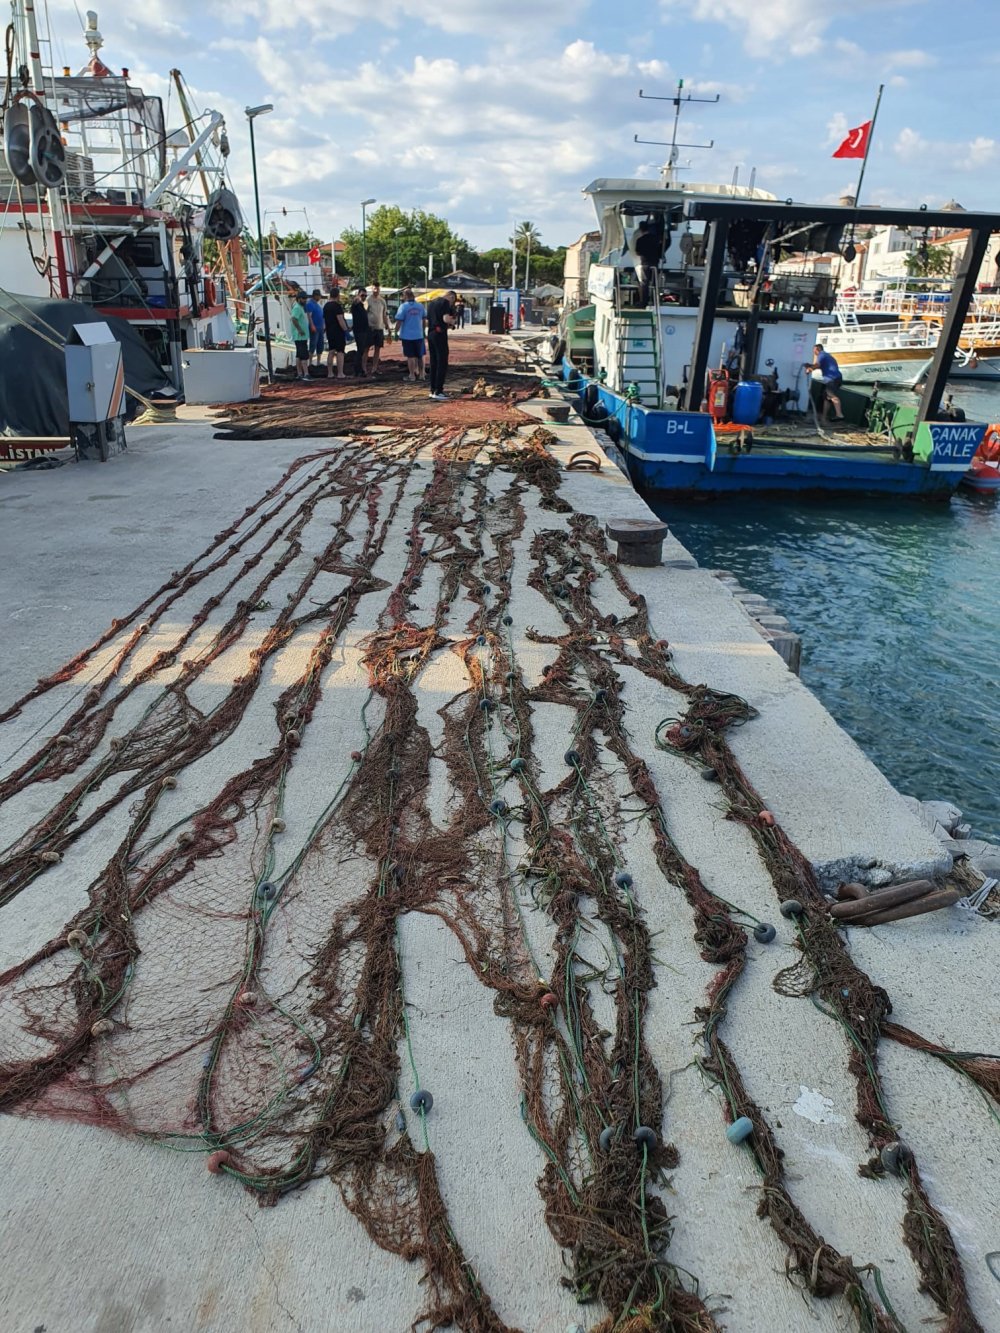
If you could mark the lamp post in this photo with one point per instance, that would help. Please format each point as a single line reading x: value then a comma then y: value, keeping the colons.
x: 364, y: 241
x: 252, y: 112
x: 423, y: 270
x: 397, y: 232
x: 496, y: 281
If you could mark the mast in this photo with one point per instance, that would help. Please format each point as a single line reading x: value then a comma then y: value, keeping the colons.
x: 230, y: 254
x: 24, y: 11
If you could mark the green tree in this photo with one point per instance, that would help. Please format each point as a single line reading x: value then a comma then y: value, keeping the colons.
x: 929, y: 261
x: 526, y: 234
x: 295, y: 240
x: 422, y: 235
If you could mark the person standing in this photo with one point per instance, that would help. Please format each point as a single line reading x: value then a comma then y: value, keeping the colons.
x: 300, y: 335
x: 411, y: 318
x: 830, y: 379
x: 336, y: 334
x: 440, y: 317
x: 359, y: 326
x: 315, y: 327
x: 378, y: 325
x: 648, y: 253
x: 459, y: 314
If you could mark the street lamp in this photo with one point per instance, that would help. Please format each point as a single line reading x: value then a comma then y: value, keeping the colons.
x: 496, y: 281
x: 397, y: 232
x: 252, y: 112
x: 423, y: 270
x: 364, y: 241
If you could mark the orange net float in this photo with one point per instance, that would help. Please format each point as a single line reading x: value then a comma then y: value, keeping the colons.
x: 217, y: 1160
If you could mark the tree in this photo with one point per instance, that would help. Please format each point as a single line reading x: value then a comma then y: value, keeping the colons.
x: 529, y: 234
x: 929, y: 261
x: 422, y: 235
x: 295, y: 240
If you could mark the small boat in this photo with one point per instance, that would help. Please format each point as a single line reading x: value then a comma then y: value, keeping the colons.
x: 984, y: 470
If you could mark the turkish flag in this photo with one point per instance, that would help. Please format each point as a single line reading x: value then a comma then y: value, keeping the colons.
x: 856, y: 143
x: 314, y: 255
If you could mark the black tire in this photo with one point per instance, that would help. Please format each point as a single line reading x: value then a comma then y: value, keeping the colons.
x: 614, y: 429
x: 559, y: 352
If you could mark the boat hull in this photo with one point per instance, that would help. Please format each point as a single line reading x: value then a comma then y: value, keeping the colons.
x: 676, y: 454
x: 983, y: 478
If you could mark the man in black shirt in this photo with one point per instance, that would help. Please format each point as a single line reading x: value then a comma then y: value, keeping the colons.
x: 336, y: 332
x: 440, y: 317
x: 359, y: 324
x: 647, y: 256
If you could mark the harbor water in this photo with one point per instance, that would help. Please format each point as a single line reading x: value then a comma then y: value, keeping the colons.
x: 898, y: 607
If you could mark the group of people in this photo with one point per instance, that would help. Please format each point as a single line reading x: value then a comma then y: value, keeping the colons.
x: 422, y: 330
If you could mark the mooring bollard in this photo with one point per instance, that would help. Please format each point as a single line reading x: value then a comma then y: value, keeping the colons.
x: 640, y: 540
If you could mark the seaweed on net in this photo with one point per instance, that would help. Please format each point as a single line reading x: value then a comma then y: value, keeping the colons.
x: 277, y: 1047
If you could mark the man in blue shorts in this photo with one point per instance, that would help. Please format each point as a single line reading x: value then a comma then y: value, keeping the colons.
x: 411, y: 318
x: 315, y: 327
x: 830, y: 379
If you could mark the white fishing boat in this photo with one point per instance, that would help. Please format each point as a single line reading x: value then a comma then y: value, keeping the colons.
x: 102, y: 202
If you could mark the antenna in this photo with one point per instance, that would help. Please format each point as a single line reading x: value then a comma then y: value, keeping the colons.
x: 679, y: 97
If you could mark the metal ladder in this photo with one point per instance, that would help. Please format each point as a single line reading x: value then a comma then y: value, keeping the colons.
x: 639, y: 348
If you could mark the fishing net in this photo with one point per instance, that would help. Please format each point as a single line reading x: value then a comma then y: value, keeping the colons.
x: 220, y: 994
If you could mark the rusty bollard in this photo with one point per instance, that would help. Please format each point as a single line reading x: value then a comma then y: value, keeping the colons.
x: 640, y: 540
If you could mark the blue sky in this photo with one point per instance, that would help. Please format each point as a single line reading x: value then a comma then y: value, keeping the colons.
x: 488, y: 110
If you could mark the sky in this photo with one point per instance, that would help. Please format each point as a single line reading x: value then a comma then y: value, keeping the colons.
x: 490, y: 111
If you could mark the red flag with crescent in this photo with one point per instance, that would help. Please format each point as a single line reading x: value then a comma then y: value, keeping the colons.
x: 856, y: 143
x: 314, y: 255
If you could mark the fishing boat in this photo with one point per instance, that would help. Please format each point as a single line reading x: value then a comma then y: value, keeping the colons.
x: 102, y: 203
x: 703, y: 386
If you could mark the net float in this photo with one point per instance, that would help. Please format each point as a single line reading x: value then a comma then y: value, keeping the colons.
x: 217, y: 1160
x: 740, y: 1130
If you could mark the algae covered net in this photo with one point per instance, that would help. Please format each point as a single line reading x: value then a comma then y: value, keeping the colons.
x: 328, y: 723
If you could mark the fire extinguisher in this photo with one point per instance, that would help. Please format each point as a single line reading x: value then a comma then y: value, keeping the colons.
x: 718, y: 395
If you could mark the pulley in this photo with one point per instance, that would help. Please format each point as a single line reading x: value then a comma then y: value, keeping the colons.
x: 47, y: 153
x: 223, y: 221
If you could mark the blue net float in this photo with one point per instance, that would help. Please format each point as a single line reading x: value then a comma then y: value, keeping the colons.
x: 740, y: 1130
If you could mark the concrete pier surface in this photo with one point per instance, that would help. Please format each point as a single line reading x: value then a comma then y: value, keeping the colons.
x: 293, y: 879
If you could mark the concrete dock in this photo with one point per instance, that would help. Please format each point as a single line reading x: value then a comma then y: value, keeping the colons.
x: 110, y: 1219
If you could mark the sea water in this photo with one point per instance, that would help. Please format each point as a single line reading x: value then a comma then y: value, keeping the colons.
x: 898, y: 605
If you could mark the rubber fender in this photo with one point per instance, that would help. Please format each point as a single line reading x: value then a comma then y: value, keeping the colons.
x: 591, y: 397
x: 614, y: 429
x: 559, y: 352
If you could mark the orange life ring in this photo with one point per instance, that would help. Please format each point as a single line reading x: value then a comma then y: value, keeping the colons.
x: 989, y: 450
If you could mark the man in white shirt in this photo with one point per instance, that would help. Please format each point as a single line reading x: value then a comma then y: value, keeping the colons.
x: 378, y: 325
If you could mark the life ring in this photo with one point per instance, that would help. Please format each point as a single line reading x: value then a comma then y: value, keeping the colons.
x: 989, y: 450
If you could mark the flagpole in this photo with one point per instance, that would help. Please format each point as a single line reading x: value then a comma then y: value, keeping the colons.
x: 868, y: 146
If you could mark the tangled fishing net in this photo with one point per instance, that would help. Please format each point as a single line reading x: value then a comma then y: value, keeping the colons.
x: 223, y: 989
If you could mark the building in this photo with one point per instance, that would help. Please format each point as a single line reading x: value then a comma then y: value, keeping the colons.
x: 579, y: 256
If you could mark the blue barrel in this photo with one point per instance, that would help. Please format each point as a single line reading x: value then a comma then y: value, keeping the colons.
x: 747, y: 399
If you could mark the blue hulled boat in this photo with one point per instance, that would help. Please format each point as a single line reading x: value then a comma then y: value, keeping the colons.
x: 693, y: 358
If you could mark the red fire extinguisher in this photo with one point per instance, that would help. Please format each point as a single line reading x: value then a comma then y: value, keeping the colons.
x: 718, y: 395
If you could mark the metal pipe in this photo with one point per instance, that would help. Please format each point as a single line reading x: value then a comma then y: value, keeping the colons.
x: 252, y: 113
